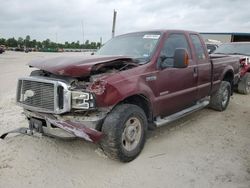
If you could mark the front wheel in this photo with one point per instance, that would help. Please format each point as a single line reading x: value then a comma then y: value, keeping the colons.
x: 220, y: 99
x: 124, y: 129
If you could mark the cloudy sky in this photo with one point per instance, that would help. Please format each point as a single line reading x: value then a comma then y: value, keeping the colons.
x: 61, y: 19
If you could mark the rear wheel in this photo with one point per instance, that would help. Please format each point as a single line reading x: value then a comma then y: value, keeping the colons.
x: 124, y: 129
x: 219, y: 100
x: 244, y: 84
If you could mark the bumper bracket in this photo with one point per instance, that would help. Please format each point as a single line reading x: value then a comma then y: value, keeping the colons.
x: 21, y: 130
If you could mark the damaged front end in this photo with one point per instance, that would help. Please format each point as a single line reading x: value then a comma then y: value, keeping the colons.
x: 59, y: 101
x: 58, y: 108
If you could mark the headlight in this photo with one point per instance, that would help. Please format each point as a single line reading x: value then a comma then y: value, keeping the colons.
x: 82, y: 100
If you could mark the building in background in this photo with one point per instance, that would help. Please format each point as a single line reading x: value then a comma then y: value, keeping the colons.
x: 227, y: 37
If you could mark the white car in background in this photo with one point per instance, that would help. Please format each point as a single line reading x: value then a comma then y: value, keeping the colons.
x: 212, y: 45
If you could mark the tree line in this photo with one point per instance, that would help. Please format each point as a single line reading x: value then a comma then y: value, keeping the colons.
x: 28, y: 43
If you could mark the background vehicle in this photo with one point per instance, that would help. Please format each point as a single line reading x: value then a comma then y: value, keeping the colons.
x: 19, y: 49
x: 136, y: 81
x: 2, y: 49
x: 212, y: 45
x: 241, y: 49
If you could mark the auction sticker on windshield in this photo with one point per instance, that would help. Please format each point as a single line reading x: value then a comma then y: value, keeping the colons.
x: 151, y: 36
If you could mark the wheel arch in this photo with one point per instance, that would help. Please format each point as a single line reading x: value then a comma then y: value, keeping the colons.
x: 229, y: 77
x: 142, y: 101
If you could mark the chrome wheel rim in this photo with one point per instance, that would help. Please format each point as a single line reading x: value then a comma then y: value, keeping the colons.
x: 225, y: 97
x: 132, y: 133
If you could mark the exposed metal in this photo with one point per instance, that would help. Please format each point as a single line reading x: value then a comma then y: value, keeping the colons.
x: 91, y: 119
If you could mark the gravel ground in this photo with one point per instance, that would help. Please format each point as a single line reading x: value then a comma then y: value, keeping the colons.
x: 204, y: 149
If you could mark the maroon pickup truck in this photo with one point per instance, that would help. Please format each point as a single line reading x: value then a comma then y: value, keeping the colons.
x: 134, y: 82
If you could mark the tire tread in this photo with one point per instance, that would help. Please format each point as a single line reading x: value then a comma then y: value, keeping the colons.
x: 113, y: 128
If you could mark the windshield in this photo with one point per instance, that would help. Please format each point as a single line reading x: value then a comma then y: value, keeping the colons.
x: 234, y: 48
x: 137, y: 45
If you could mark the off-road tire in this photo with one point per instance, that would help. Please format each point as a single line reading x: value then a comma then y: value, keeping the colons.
x: 244, y: 84
x: 113, y: 128
x: 218, y: 101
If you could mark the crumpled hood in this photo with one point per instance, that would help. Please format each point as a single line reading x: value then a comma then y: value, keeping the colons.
x: 80, y: 66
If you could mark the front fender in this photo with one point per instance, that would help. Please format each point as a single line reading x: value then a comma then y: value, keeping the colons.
x: 118, y: 91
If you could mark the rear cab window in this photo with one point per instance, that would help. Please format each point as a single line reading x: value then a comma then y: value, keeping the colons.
x: 199, y: 49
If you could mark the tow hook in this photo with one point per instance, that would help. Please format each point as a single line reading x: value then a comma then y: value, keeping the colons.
x: 35, y: 125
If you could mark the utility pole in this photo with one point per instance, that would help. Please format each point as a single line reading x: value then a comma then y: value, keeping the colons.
x: 114, y: 22
x: 82, y: 35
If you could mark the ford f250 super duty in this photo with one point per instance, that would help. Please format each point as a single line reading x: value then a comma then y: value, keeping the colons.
x: 134, y: 82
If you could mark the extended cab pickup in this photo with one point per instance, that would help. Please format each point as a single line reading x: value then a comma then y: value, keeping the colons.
x: 134, y: 82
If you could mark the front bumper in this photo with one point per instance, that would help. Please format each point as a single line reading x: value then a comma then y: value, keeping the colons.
x: 65, y: 128
x: 76, y: 129
x: 48, y: 124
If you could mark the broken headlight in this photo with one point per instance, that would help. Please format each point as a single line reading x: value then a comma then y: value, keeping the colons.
x: 82, y: 100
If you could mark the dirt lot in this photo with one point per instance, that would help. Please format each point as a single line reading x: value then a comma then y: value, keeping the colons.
x: 205, y: 149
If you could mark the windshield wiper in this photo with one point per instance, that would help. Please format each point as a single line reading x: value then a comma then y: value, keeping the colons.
x: 218, y: 53
x: 141, y: 60
x: 236, y: 53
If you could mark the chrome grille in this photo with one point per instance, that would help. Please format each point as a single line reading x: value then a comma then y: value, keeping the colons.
x: 42, y: 95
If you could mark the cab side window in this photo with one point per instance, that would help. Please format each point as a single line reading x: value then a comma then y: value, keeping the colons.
x: 199, y: 50
x: 171, y: 43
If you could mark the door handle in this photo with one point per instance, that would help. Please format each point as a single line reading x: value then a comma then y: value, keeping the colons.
x: 195, y: 73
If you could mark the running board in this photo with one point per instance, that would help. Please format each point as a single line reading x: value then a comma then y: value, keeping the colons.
x: 168, y: 119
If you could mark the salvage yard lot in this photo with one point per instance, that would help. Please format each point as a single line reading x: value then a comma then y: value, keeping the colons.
x: 205, y: 149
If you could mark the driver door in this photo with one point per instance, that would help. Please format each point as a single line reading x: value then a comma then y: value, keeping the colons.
x: 177, y: 87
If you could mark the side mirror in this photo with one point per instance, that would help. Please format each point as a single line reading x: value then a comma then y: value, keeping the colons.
x: 163, y: 58
x: 181, y: 58
x: 165, y: 61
